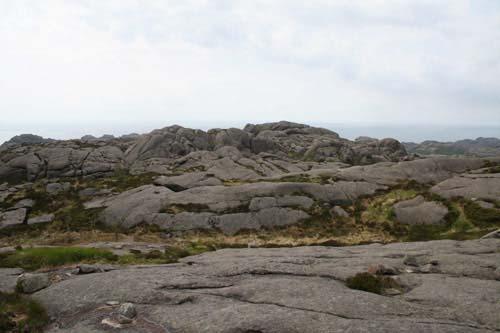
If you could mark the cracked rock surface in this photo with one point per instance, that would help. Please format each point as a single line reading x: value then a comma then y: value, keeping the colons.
x: 291, y: 290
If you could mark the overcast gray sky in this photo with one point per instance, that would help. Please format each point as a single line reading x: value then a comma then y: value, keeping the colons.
x: 108, y: 64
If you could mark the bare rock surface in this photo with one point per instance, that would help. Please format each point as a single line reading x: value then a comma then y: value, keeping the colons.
x: 12, y: 217
x: 471, y: 186
x: 430, y: 170
x: 420, y: 211
x: 8, y: 279
x: 131, y: 207
x: 291, y: 290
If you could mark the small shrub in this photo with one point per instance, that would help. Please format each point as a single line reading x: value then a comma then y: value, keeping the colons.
x: 370, y: 283
x: 423, y: 232
x: 21, y: 314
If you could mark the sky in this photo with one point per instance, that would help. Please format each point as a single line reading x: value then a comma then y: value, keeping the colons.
x: 115, y: 66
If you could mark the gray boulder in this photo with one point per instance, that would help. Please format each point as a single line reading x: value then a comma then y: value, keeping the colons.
x: 29, y: 283
x: 132, y: 207
x: 419, y: 211
x: 45, y: 218
x: 8, y: 278
x: 25, y: 203
x: 339, y: 211
x: 127, y: 310
x: 56, y: 188
x: 13, y: 217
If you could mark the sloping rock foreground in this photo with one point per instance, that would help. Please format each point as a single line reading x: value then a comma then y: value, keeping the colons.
x: 447, y: 286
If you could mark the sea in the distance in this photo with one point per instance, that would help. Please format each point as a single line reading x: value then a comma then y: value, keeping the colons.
x: 404, y: 133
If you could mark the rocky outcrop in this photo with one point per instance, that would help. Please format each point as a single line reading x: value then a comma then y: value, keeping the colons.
x: 482, y: 147
x: 291, y: 290
x: 420, y: 211
x: 424, y: 171
x: 132, y: 207
x: 480, y: 186
x: 64, y: 159
x: 226, y: 208
x: 237, y: 154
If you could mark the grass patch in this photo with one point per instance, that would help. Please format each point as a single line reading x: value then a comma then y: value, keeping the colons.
x: 425, y: 232
x: 371, y: 283
x: 21, y: 314
x: 35, y: 258
x: 170, y: 255
x: 121, y: 180
x: 482, y: 217
x: 379, y: 210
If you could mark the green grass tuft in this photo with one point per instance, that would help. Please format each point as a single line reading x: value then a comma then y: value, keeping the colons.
x: 371, y: 283
x: 35, y: 258
x: 482, y: 217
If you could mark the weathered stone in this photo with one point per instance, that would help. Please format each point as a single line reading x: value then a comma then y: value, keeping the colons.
x: 29, y: 283
x: 88, y: 192
x: 87, y: 269
x: 419, y: 211
x: 187, y: 180
x: 127, y: 310
x: 8, y: 278
x: 425, y: 171
x: 132, y: 207
x: 25, y: 203
x: 7, y: 250
x: 46, y: 218
x: 55, y: 188
x: 471, y: 187
x: 12, y: 217
x: 339, y: 211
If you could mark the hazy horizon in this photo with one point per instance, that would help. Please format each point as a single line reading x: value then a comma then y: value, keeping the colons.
x: 402, y: 132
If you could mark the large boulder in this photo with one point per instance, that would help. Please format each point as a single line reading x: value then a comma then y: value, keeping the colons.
x: 420, y: 211
x: 28, y: 283
x: 132, y: 207
x: 13, y: 217
x: 173, y: 141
